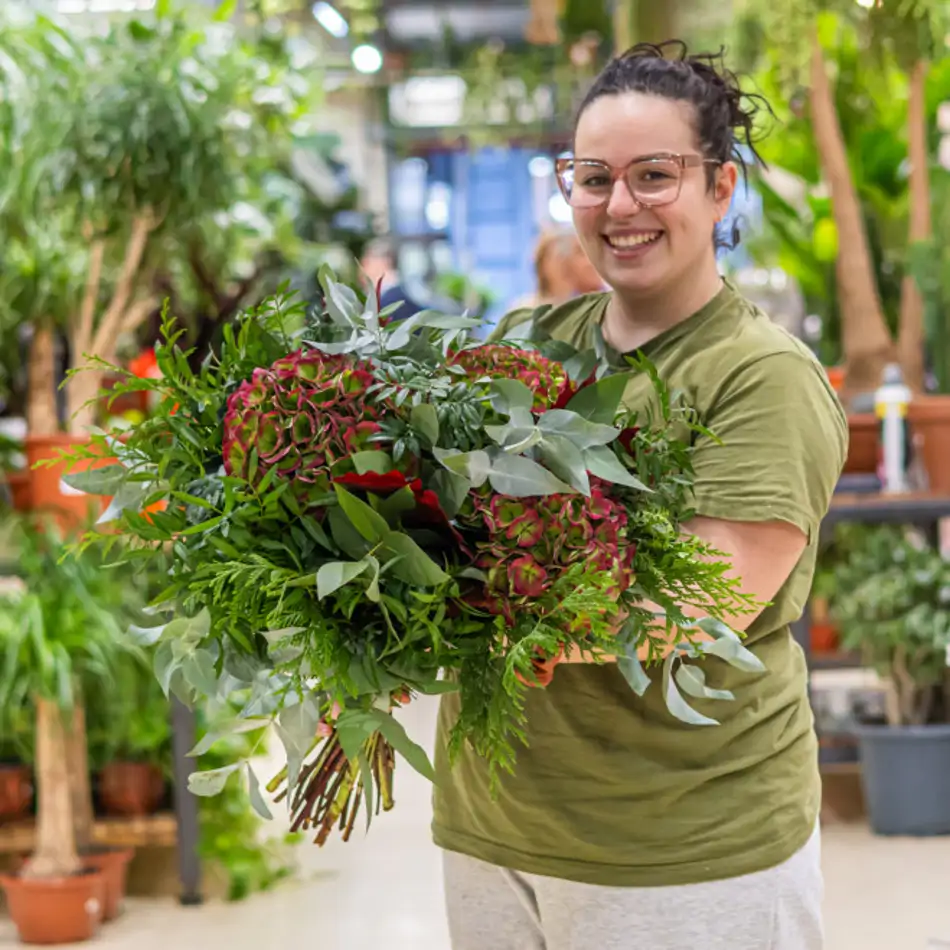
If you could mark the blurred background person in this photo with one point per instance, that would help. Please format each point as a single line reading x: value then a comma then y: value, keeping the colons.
x: 562, y: 271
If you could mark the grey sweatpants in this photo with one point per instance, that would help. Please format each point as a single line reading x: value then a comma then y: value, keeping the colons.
x: 492, y: 908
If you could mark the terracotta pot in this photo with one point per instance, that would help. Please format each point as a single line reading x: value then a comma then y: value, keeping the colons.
x: 131, y: 789
x: 836, y: 376
x: 863, y: 433
x: 19, y: 483
x: 823, y: 637
x: 114, y: 866
x: 16, y: 791
x: 929, y: 418
x: 50, y: 493
x: 56, y: 910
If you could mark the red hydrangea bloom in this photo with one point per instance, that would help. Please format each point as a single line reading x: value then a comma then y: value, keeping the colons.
x: 301, y: 415
x: 542, y: 376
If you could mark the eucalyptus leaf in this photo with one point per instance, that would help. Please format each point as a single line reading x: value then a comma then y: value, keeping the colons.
x: 212, y: 781
x: 692, y: 681
x: 331, y: 577
x: 238, y: 726
x: 297, y: 729
x: 254, y: 793
x: 632, y: 669
x: 602, y: 461
x: 583, y: 433
x: 106, y: 480
x: 474, y: 466
x: 451, y: 490
x: 734, y: 653
x: 508, y: 394
x: 675, y: 703
x: 129, y: 497
x: 566, y: 461
x: 345, y: 536
x: 520, y: 477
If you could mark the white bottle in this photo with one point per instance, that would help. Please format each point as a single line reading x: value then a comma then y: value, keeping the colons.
x: 890, y: 404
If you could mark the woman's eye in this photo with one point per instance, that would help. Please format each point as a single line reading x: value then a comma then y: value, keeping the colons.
x: 595, y: 181
x: 655, y: 175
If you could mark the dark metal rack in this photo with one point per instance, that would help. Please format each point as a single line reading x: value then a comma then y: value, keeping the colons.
x: 925, y: 510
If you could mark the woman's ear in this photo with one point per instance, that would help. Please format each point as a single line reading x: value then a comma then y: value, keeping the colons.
x: 726, y: 182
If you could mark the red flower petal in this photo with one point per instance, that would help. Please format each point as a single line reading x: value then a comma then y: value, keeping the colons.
x: 373, y: 482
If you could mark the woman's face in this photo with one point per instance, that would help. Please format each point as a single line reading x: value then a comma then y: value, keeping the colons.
x: 616, y: 130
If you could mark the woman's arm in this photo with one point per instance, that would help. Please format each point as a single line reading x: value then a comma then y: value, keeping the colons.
x: 763, y: 555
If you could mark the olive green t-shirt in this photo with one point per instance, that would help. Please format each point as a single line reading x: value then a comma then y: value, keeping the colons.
x: 611, y: 789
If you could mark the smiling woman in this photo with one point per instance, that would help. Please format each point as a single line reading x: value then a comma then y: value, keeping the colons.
x: 617, y: 812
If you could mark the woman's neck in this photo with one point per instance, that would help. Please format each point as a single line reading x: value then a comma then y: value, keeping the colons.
x: 632, y: 321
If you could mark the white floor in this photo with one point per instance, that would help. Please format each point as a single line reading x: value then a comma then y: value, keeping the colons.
x: 385, y: 891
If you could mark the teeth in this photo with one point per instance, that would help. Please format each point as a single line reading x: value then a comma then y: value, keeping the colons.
x: 633, y: 240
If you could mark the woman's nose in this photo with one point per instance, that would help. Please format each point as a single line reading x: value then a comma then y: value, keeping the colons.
x: 622, y: 204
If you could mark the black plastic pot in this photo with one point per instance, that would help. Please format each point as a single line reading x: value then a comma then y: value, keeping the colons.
x: 906, y: 777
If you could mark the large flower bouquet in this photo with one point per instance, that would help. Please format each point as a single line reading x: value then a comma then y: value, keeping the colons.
x: 351, y: 510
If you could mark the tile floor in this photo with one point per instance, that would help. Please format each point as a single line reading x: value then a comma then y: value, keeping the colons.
x: 385, y: 891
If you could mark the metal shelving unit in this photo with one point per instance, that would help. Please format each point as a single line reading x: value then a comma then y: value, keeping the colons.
x: 925, y: 510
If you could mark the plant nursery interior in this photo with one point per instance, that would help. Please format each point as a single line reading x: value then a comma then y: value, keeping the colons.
x: 316, y: 508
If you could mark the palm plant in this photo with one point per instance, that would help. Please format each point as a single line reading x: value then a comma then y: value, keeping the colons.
x: 61, y: 633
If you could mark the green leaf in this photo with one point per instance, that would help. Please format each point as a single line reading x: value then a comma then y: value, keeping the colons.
x: 353, y: 728
x: 632, y: 669
x: 199, y: 671
x: 211, y: 782
x: 254, y: 793
x: 675, y: 703
x: 692, y: 680
x: 451, y: 490
x: 372, y: 461
x: 513, y: 438
x: 129, y: 497
x: 580, y: 366
x: 583, y: 433
x: 297, y: 729
x: 602, y: 461
x: 734, y: 653
x: 566, y: 461
x: 396, y: 735
x: 474, y: 466
x: 234, y: 728
x: 98, y: 481
x: 336, y: 574
x: 347, y: 538
x: 520, y: 477
x: 414, y: 565
x: 508, y: 394
x: 600, y: 402
x: 425, y: 419
x: 370, y: 524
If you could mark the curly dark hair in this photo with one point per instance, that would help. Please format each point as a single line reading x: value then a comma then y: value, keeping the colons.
x: 725, y: 113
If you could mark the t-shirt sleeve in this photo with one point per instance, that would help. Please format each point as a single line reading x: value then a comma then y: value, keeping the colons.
x: 782, y: 439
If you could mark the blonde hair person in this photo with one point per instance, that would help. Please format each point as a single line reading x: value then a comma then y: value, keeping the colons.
x: 562, y: 270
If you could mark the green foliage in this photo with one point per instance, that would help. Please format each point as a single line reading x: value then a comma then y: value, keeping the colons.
x: 893, y: 604
x: 62, y: 628
x: 307, y: 586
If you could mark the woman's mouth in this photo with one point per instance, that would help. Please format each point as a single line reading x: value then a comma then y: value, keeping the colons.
x: 633, y: 244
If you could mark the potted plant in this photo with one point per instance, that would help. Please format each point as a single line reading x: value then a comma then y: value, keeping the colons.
x: 893, y: 605
x: 59, y: 635
x: 16, y: 763
x: 130, y: 741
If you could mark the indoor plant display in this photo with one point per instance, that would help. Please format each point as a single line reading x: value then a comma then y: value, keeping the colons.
x: 893, y: 604
x: 59, y: 634
x: 16, y: 762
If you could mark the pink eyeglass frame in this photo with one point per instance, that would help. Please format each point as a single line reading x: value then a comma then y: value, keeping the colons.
x: 618, y: 174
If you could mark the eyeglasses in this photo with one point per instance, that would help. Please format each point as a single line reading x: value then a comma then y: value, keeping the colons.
x: 653, y: 181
